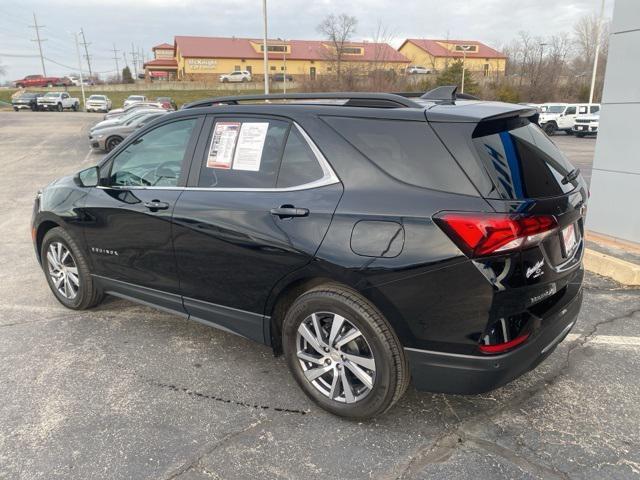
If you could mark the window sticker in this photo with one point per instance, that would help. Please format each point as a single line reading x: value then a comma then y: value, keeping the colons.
x: 249, y: 147
x: 223, y: 145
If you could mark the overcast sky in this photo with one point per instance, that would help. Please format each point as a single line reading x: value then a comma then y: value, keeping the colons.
x: 148, y: 22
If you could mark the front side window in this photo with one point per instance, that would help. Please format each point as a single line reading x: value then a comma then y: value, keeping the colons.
x: 154, y: 159
x: 570, y: 111
x: 243, y: 153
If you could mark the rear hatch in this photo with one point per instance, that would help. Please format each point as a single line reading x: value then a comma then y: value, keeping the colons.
x: 529, y: 182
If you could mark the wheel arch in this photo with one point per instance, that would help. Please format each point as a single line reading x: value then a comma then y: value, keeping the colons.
x: 42, y: 229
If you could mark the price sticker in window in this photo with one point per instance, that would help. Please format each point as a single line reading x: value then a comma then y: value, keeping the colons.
x: 223, y: 145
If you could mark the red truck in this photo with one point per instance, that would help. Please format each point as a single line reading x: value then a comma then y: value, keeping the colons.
x: 42, y: 81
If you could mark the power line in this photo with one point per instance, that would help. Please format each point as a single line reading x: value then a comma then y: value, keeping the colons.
x: 86, y: 51
x: 39, y: 40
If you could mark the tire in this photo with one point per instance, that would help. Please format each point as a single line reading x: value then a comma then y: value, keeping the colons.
x: 16, y: 109
x: 245, y: 80
x: 225, y: 80
x: 580, y: 135
x: 376, y: 343
x: 550, y: 128
x: 112, y: 143
x: 60, y: 107
x: 86, y: 295
x: 75, y: 107
x: 569, y: 132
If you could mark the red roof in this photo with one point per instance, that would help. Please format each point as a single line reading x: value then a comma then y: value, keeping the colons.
x: 163, y: 46
x: 434, y: 48
x: 162, y: 62
x: 225, y: 47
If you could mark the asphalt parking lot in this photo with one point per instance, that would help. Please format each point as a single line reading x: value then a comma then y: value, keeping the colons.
x: 124, y: 391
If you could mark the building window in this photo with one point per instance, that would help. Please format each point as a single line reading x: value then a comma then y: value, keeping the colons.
x: 275, y: 48
x: 486, y: 70
x: 249, y: 69
x: 237, y: 68
x: 352, y: 50
x: 466, y: 48
x: 272, y: 68
x: 282, y: 69
x: 328, y: 69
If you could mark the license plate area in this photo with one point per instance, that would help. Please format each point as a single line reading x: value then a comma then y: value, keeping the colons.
x: 569, y: 240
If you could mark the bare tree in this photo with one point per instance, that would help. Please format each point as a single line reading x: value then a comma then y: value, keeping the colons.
x: 338, y: 29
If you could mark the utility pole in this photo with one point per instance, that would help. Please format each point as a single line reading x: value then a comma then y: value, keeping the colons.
x: 86, y: 52
x: 39, y: 40
x: 84, y: 104
x: 115, y: 57
x: 134, y: 61
x: 284, y: 62
x: 265, y: 53
x: 124, y: 57
x: 595, y: 59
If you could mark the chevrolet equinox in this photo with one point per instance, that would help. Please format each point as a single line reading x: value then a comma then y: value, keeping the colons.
x: 373, y: 239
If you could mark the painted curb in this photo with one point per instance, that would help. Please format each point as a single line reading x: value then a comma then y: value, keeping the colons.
x: 621, y: 271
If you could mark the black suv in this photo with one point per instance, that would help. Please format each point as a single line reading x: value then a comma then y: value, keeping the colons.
x: 371, y: 238
x: 27, y: 100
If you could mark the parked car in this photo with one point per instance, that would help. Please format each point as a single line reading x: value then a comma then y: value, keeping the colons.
x: 561, y: 116
x: 26, y: 100
x: 98, y: 103
x: 131, y: 99
x: 74, y: 80
x: 586, y: 125
x: 319, y: 229
x: 42, y: 81
x: 419, y: 70
x: 110, y: 136
x: 167, y: 103
x: 279, y: 77
x: 125, y: 118
x: 58, y: 101
x: 116, y: 112
x: 237, y: 76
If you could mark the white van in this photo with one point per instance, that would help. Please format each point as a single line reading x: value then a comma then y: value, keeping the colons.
x: 562, y: 116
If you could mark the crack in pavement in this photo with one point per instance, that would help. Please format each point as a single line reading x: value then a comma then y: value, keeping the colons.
x: 194, y: 462
x: 460, y: 434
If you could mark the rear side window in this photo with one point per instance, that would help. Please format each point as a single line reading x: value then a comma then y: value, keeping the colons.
x: 409, y: 151
x: 299, y: 164
x: 244, y: 153
x: 522, y: 162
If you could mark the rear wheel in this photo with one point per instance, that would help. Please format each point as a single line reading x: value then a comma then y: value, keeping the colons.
x: 112, y: 143
x: 75, y: 107
x: 67, y: 271
x: 343, y: 353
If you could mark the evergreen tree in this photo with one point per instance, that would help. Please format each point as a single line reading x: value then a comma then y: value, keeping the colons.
x: 126, y: 75
x: 452, y: 75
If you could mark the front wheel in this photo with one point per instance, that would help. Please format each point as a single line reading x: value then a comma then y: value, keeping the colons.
x: 343, y: 353
x: 549, y: 128
x: 112, y: 143
x: 67, y: 271
x: 580, y: 135
x: 16, y: 109
x: 75, y: 107
x: 60, y: 107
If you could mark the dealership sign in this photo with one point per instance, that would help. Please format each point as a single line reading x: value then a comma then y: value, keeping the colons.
x: 202, y: 64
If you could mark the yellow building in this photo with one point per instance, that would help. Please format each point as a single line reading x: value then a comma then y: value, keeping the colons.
x: 438, y: 54
x: 206, y: 58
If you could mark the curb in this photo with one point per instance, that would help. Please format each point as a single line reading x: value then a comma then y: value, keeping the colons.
x: 621, y: 271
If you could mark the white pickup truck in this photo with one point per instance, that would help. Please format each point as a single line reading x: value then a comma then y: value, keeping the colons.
x: 58, y: 101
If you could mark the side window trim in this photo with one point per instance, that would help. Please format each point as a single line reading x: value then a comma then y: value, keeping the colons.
x: 329, y: 177
x: 187, y: 161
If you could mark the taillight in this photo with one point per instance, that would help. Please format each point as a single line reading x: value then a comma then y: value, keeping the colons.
x: 505, y: 346
x: 482, y: 234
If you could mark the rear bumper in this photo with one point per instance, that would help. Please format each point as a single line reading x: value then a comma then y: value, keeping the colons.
x: 470, y: 374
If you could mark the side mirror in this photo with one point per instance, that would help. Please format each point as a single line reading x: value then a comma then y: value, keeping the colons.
x: 89, y: 177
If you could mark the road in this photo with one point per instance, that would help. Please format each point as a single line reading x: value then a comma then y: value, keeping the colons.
x: 124, y: 391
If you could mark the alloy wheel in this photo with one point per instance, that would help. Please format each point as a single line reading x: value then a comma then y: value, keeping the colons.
x: 335, y: 357
x: 63, y: 270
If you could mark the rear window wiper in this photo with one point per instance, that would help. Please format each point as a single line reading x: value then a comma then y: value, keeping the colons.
x: 571, y: 176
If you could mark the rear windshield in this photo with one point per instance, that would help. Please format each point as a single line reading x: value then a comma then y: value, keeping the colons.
x: 521, y: 160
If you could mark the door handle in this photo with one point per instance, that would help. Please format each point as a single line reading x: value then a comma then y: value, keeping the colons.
x: 155, y: 205
x: 289, y: 211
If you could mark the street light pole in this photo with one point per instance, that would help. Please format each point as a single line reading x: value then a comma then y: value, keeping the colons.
x: 464, y: 59
x: 265, y: 53
x: 595, y: 59
x: 284, y: 61
x: 84, y: 102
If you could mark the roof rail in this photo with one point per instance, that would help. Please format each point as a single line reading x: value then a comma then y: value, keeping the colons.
x: 352, y: 99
